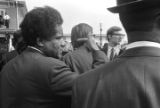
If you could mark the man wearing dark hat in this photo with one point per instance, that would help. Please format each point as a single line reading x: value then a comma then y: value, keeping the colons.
x: 133, y: 79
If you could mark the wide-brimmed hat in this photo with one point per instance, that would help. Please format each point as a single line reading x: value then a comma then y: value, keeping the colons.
x: 125, y: 5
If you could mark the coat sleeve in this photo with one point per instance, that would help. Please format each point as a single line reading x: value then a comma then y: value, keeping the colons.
x: 74, y: 96
x: 99, y: 58
x: 62, y: 78
x: 105, y: 48
x: 68, y: 59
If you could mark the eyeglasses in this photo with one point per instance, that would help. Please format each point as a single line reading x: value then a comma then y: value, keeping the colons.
x: 58, y: 37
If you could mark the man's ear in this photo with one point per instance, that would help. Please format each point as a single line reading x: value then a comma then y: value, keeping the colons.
x: 40, y: 42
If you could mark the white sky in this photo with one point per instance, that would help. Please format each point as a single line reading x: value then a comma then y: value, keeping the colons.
x: 73, y: 12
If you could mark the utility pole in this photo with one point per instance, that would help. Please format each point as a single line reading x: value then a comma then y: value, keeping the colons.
x: 100, y: 24
x: 17, y: 14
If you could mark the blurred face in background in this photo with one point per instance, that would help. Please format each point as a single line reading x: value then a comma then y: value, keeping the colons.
x: 116, y: 37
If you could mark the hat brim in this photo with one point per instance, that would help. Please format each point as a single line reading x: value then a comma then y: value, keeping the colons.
x: 133, y: 5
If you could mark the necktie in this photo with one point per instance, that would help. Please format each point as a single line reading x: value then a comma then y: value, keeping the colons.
x: 112, y: 54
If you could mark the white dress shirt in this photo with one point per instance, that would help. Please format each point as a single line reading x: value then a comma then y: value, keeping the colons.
x: 116, y: 50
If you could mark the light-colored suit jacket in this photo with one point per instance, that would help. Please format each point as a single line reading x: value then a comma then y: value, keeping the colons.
x: 106, y: 50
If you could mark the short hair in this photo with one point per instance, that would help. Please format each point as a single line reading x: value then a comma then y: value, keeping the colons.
x: 40, y: 23
x: 80, y: 31
x: 111, y: 31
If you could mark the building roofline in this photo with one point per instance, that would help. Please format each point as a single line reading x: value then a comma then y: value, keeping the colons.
x: 13, y: 3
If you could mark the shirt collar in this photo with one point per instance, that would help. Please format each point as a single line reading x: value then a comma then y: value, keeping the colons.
x: 142, y: 44
x: 35, y: 49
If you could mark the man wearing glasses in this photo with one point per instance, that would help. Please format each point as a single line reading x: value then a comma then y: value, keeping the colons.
x: 113, y: 48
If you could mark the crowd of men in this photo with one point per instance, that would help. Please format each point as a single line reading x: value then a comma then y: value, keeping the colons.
x: 44, y: 75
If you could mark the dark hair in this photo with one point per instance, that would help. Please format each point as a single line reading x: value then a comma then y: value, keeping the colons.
x: 40, y: 23
x: 80, y: 31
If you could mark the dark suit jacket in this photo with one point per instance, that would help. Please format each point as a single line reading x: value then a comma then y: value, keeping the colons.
x: 9, y: 55
x: 32, y: 80
x: 105, y: 49
x: 130, y: 81
x: 81, y: 60
x: 6, y: 57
